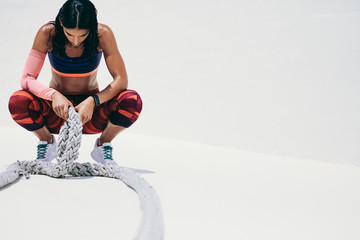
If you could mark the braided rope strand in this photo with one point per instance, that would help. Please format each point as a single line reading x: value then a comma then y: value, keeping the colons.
x: 69, y: 141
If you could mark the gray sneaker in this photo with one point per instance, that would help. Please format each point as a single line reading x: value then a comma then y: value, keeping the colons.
x: 103, y: 154
x: 45, y: 151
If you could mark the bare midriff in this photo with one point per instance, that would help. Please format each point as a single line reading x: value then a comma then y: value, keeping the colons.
x: 81, y: 85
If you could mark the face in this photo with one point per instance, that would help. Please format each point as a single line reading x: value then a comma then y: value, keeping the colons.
x: 76, y: 36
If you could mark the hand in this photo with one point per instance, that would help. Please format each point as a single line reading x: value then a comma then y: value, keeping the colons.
x: 60, y: 105
x: 86, y: 109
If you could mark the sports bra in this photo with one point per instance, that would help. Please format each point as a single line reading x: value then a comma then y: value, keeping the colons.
x: 74, y: 67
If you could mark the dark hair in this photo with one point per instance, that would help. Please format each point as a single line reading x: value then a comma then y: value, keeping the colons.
x: 79, y: 14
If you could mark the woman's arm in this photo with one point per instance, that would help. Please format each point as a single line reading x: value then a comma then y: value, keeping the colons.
x: 32, y: 69
x: 116, y: 68
x: 114, y: 63
x: 34, y: 64
x: 42, y: 38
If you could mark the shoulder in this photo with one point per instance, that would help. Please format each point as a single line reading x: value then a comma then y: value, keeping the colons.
x: 46, y: 28
x: 107, y: 40
x: 105, y: 33
x: 42, y: 41
x: 104, y: 30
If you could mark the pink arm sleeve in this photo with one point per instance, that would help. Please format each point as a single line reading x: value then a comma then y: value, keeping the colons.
x: 33, y: 65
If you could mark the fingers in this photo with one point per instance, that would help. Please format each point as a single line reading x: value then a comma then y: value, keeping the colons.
x: 62, y: 111
x: 61, y: 105
x: 84, y: 118
x: 65, y: 112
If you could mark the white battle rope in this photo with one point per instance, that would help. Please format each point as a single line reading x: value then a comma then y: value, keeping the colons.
x: 69, y: 140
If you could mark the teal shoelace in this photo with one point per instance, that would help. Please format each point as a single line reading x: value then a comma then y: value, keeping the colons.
x: 41, y: 151
x: 107, y: 150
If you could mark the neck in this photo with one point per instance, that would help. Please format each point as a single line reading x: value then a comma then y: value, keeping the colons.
x: 72, y: 46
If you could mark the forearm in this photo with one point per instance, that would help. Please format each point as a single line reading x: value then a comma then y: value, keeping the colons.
x: 114, y: 88
x: 38, y: 89
x: 32, y: 68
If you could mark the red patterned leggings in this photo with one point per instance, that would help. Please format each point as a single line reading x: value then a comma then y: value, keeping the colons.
x: 33, y: 113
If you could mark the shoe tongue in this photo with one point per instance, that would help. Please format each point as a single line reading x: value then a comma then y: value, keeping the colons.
x: 107, y: 144
x: 42, y: 142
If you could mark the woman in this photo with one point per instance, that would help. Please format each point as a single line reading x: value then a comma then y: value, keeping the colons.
x: 75, y: 43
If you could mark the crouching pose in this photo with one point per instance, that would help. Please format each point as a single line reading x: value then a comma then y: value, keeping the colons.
x: 75, y: 43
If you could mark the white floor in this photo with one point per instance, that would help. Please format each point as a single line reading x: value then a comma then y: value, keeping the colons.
x: 207, y: 192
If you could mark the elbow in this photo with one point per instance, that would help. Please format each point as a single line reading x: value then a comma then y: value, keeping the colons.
x: 123, y: 83
x: 24, y: 83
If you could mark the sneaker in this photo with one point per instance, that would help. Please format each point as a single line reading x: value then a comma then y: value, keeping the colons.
x: 103, y: 154
x: 45, y: 151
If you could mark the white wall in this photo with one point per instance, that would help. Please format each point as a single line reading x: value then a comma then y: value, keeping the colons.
x: 270, y: 76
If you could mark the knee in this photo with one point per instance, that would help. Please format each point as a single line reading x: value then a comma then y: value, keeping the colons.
x: 20, y: 101
x: 129, y: 106
x: 130, y: 100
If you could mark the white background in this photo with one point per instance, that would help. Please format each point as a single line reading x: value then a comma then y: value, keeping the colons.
x: 272, y: 86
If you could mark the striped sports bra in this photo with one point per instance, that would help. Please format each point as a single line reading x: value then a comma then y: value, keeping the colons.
x: 74, y: 67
